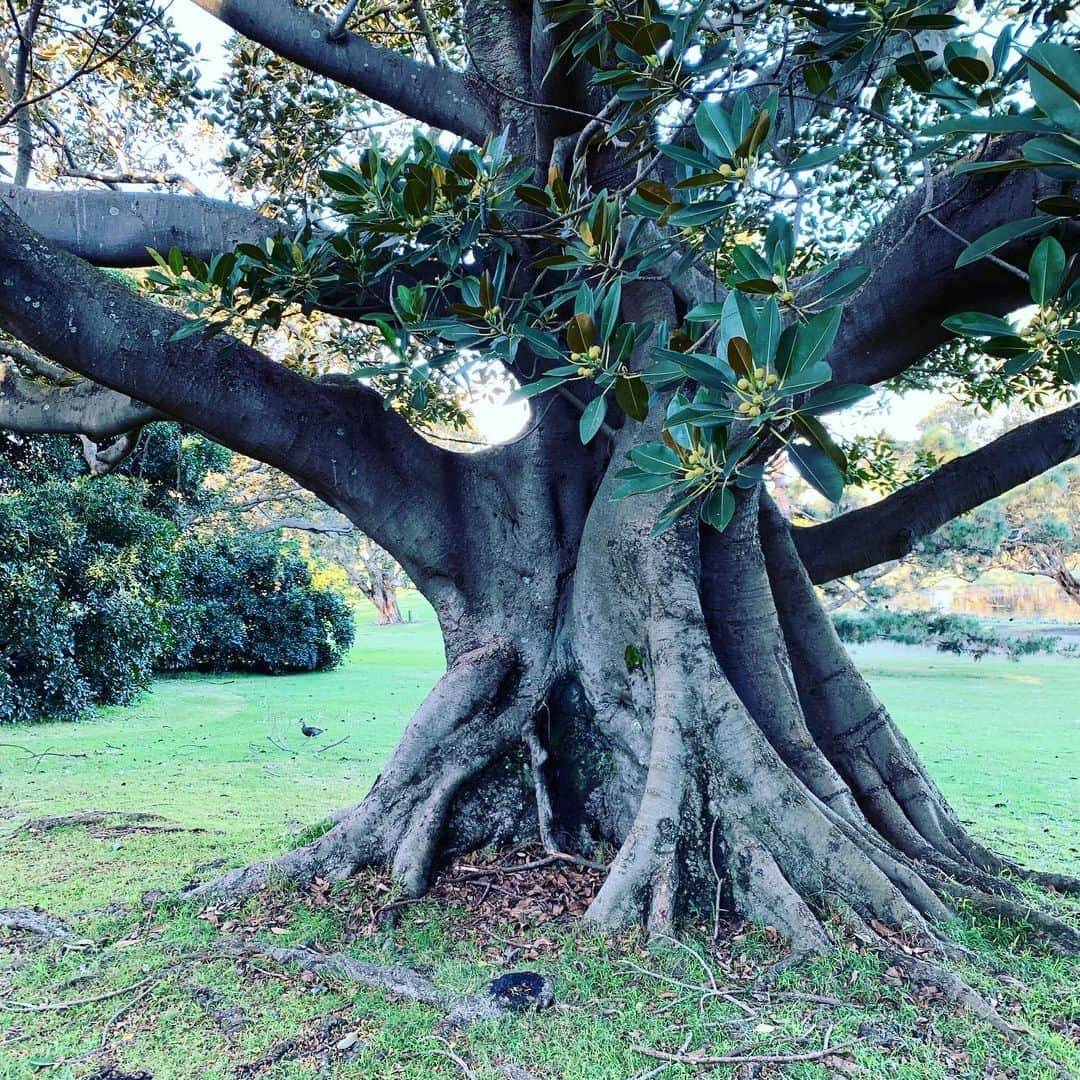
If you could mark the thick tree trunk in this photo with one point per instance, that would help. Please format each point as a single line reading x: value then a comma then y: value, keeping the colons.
x: 680, y: 709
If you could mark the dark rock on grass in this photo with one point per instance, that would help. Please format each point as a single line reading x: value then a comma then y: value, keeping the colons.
x: 521, y: 990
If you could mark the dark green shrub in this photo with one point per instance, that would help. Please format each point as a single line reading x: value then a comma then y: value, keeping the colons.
x: 85, y: 575
x: 248, y: 604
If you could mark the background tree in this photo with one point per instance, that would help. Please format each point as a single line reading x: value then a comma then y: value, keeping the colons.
x: 688, y: 233
x: 1033, y: 530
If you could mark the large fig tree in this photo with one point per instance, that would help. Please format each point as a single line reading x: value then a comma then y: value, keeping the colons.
x: 691, y: 233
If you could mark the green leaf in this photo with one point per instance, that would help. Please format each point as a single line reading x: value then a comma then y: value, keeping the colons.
x: 749, y: 263
x: 1020, y: 362
x: 766, y: 334
x: 592, y: 419
x: 780, y: 243
x: 641, y: 485
x: 1069, y: 365
x: 714, y: 128
x: 532, y: 389
x: 995, y: 238
x: 841, y: 285
x: 685, y: 156
x: 1056, y: 152
x: 655, y: 458
x: 704, y: 312
x: 816, y: 158
x: 189, y: 329
x: 758, y: 286
x: 718, y: 509
x: 968, y: 63
x: 704, y: 212
x: 817, y: 469
x: 813, y: 340
x: 1005, y: 347
x: 1054, y: 75
x: 1059, y: 206
x: 581, y: 333
x: 817, y: 76
x: 808, y: 378
x: 672, y: 511
x: 985, y: 125
x: 633, y: 396
x: 811, y: 429
x: 1046, y: 270
x: 974, y: 324
x: 836, y: 397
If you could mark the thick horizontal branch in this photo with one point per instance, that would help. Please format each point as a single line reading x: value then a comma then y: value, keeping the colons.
x: 114, y: 228
x: 914, y: 285
x: 83, y: 408
x: 891, y: 528
x: 432, y: 95
x: 340, y: 443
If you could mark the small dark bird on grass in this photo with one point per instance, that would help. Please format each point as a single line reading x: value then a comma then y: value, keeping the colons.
x: 310, y: 731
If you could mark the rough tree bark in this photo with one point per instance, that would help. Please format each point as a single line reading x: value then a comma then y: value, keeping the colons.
x: 677, y: 707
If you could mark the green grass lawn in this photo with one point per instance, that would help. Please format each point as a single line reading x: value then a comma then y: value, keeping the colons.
x: 223, y: 760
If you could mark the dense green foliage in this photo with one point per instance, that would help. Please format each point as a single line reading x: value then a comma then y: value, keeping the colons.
x: 758, y: 357
x: 961, y: 634
x: 99, y: 587
x: 85, y: 573
x: 248, y: 604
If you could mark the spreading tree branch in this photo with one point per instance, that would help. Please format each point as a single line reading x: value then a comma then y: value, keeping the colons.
x: 340, y: 443
x: 302, y: 524
x: 891, y: 528
x: 114, y: 228
x: 432, y: 95
x: 914, y: 284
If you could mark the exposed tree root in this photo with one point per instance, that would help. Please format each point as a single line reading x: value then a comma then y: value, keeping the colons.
x: 399, y: 982
x: 1057, y: 933
x: 34, y: 921
x: 471, y: 719
x: 112, y: 818
x: 59, y: 1006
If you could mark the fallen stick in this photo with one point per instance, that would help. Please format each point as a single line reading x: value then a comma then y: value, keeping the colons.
x: 57, y: 1006
x: 330, y: 746
x: 740, y: 1059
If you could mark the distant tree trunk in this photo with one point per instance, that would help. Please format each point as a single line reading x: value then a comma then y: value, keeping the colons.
x: 377, y: 581
x: 384, y: 597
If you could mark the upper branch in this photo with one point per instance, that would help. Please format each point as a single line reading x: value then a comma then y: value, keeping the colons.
x: 914, y: 283
x: 432, y: 95
x: 341, y: 443
x: 891, y: 528
x: 114, y: 228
